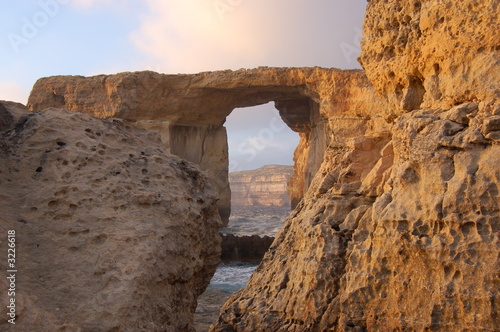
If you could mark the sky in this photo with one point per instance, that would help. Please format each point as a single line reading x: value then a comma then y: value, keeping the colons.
x: 41, y: 38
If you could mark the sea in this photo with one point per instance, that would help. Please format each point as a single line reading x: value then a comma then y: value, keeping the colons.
x: 260, y: 220
x: 247, y: 220
x: 233, y: 276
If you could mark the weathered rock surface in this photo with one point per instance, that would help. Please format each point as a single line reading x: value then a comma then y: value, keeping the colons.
x: 425, y: 54
x: 400, y: 228
x: 112, y: 233
x: 250, y: 248
x: 299, y: 277
x: 189, y: 110
x: 266, y: 186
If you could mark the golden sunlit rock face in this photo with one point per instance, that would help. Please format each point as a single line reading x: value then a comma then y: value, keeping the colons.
x: 265, y: 186
x: 399, y: 230
x: 424, y: 54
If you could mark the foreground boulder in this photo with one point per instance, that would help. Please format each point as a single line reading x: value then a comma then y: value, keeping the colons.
x: 111, y: 232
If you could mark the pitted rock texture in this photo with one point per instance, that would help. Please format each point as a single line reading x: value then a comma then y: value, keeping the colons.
x: 189, y: 110
x: 400, y: 228
x: 432, y: 53
x: 398, y: 234
x: 299, y: 276
x: 112, y: 232
x: 265, y: 186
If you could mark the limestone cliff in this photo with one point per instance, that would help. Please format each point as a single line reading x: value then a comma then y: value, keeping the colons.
x: 399, y: 230
x: 427, y: 54
x: 266, y: 186
x: 112, y: 233
x: 189, y: 110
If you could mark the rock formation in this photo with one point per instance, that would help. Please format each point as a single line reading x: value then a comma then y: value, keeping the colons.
x: 399, y: 230
x: 112, y: 233
x: 189, y: 110
x: 428, y: 54
x: 266, y: 186
x: 244, y: 248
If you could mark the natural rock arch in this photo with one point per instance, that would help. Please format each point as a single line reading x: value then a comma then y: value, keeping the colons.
x: 189, y: 111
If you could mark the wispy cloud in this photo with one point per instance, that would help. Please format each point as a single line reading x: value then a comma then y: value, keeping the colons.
x: 188, y: 36
x: 256, y: 135
x: 199, y: 35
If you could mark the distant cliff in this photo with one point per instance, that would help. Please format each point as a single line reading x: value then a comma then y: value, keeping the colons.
x: 266, y: 186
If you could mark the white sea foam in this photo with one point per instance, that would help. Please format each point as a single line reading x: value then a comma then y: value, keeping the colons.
x: 232, y: 276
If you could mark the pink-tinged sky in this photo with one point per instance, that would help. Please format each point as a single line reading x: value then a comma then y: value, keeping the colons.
x: 89, y: 37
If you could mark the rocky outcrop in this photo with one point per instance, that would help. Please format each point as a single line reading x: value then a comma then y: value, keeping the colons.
x: 189, y: 110
x: 426, y: 54
x: 399, y: 244
x: 266, y: 186
x: 112, y: 233
x: 244, y: 248
x: 399, y: 230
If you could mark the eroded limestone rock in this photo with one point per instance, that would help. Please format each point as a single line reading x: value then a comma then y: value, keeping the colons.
x: 399, y: 230
x: 189, y: 110
x: 399, y: 234
x: 112, y: 233
x: 299, y: 276
x: 432, y: 53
